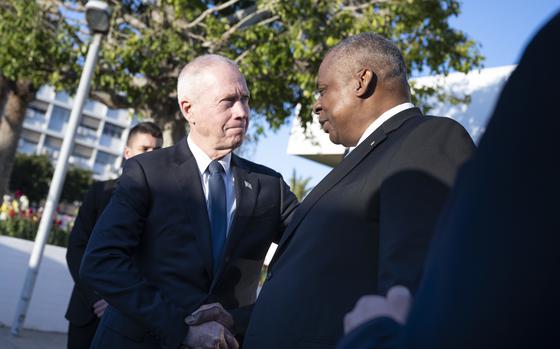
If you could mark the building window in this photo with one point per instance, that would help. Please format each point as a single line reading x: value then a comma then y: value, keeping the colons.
x: 62, y: 97
x: 28, y: 142
x: 59, y: 119
x: 104, y: 158
x: 35, y: 114
x: 111, y: 137
x: 112, y: 131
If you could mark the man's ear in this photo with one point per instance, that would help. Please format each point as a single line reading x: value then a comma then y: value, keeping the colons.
x: 364, y: 82
x: 127, y: 152
x: 186, y: 109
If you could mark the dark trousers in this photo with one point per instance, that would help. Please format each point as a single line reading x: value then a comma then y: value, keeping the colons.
x: 80, y: 337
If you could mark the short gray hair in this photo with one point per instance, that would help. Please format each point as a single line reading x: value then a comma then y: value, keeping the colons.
x: 372, y: 51
x: 194, y: 68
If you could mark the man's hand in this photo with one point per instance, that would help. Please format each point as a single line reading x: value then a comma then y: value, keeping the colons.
x: 210, y: 335
x: 99, y: 307
x: 395, y: 306
x: 210, y: 312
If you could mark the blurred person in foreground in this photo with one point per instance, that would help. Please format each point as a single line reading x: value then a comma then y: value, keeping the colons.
x: 367, y: 225
x: 86, y: 307
x: 177, y: 253
x: 491, y: 280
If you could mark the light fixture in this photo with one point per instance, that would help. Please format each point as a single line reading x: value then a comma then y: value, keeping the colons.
x: 98, y: 16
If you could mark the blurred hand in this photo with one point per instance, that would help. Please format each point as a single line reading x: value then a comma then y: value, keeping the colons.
x: 395, y: 306
x: 210, y: 335
x: 210, y: 312
x: 99, y: 307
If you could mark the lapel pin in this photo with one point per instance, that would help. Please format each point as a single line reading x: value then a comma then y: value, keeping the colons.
x: 248, y: 185
x: 372, y: 143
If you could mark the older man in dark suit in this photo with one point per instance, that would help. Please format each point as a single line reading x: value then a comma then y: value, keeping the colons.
x: 367, y: 225
x: 85, y: 306
x: 188, y: 227
x: 492, y: 277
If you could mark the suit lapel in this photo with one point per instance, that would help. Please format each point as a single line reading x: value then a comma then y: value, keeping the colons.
x: 188, y: 177
x: 342, y: 169
x: 246, y: 190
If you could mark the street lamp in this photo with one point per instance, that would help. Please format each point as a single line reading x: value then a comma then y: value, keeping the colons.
x: 98, y: 17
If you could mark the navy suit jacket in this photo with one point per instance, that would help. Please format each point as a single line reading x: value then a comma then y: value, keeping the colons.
x: 365, y: 227
x: 80, y: 307
x: 492, y: 279
x: 150, y: 253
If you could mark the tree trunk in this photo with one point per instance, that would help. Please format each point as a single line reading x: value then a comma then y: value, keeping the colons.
x: 173, y: 131
x: 18, y: 95
x: 3, y: 94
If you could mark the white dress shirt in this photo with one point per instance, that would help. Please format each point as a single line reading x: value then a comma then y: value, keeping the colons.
x: 202, y: 161
x: 380, y: 120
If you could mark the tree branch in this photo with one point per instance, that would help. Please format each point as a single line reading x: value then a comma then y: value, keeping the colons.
x: 256, y: 18
x: 356, y: 9
x: 210, y: 11
x: 111, y: 100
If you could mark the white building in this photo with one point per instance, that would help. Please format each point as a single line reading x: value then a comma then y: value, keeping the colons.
x: 100, y: 138
x: 483, y: 86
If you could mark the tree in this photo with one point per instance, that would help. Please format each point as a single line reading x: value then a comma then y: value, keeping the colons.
x: 278, y: 45
x: 32, y: 176
x: 76, y: 184
x: 299, y: 185
x: 37, y: 46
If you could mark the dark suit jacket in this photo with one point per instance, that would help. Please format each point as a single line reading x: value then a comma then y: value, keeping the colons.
x: 492, y: 279
x: 80, y: 308
x: 150, y: 253
x: 362, y: 229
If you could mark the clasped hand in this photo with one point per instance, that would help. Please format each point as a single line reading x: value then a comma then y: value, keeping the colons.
x: 210, y: 327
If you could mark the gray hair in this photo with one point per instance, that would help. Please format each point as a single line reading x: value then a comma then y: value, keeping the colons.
x: 186, y: 83
x: 369, y: 50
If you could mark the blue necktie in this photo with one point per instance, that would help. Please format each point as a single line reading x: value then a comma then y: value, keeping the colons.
x: 218, y: 211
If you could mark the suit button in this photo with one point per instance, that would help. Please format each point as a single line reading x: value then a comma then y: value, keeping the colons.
x: 268, y: 276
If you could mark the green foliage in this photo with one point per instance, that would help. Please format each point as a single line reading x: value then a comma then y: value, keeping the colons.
x: 299, y: 185
x: 26, y: 228
x: 278, y: 45
x: 37, y: 44
x: 76, y: 184
x: 32, y: 176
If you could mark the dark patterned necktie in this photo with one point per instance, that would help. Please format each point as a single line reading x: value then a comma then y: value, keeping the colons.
x: 218, y: 211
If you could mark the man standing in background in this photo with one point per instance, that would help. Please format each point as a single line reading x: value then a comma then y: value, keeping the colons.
x: 86, y: 307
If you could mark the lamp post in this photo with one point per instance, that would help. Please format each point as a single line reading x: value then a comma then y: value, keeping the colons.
x: 98, y: 16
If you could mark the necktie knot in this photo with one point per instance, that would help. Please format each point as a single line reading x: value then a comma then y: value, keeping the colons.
x: 215, y: 167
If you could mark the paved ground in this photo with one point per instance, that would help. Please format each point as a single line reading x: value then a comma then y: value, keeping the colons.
x: 31, y: 339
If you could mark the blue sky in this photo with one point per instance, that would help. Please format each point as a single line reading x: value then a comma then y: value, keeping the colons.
x: 502, y: 27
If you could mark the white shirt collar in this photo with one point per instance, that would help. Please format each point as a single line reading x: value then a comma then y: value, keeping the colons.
x: 380, y: 120
x: 203, y: 160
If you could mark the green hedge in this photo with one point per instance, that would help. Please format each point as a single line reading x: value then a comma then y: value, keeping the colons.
x: 26, y: 228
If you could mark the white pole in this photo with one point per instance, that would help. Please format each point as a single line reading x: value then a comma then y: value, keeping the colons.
x: 56, y: 186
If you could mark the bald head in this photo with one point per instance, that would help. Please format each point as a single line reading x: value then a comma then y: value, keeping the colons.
x: 372, y: 51
x: 196, y: 74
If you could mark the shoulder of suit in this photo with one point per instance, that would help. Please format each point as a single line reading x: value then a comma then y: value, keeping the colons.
x: 256, y: 168
x: 444, y: 120
x: 432, y: 128
x: 156, y: 157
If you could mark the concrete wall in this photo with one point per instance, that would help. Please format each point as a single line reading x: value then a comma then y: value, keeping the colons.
x: 52, y: 288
